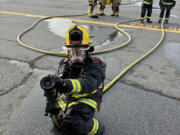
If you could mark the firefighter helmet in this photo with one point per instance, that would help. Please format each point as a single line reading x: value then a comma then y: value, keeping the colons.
x: 77, y: 36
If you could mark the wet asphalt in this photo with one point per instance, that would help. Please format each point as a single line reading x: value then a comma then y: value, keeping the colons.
x: 145, y: 101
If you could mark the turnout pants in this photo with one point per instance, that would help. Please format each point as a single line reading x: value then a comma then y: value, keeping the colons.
x: 115, y: 5
x: 102, y: 4
x: 145, y: 8
x: 78, y: 119
x: 168, y: 10
x: 91, y: 6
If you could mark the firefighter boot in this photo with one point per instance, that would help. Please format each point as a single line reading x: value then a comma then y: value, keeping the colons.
x: 141, y: 20
x: 94, y: 16
x: 148, y: 20
x: 101, y: 12
x: 90, y: 12
x: 159, y: 21
x: 101, y: 8
x: 113, y: 14
x: 166, y: 21
x: 117, y: 14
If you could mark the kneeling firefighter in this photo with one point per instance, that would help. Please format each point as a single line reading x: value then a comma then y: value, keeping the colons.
x: 75, y: 93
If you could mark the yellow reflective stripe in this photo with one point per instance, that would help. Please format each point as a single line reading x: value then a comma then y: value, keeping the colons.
x: 79, y: 86
x: 167, y: 3
x: 94, y: 91
x: 71, y: 104
x: 76, y: 86
x: 100, y: 11
x: 95, y: 127
x: 61, y: 103
x: 101, y: 85
x: 148, y: 17
x: 83, y: 95
x: 73, y: 84
x: 80, y: 95
x: 147, y: 3
x: 86, y: 94
x: 90, y: 102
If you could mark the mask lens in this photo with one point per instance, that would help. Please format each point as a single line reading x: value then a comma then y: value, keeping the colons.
x: 77, y: 55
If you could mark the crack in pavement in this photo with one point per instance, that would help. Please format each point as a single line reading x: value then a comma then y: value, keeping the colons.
x: 127, y: 82
x: 32, y: 63
x: 6, y: 58
x: 141, y: 87
x: 24, y: 80
x: 8, y: 40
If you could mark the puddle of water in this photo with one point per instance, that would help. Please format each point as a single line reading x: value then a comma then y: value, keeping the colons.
x: 112, y: 38
x: 59, y: 27
x: 172, y: 54
x: 175, y: 16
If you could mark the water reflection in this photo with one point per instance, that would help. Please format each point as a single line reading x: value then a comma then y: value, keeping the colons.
x: 59, y: 27
x: 112, y: 38
x: 175, y: 16
x: 172, y: 54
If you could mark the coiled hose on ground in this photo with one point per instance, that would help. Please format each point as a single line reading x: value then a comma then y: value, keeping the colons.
x: 111, y: 83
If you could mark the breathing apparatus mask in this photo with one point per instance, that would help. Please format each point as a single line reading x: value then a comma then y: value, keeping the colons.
x: 77, y: 45
x: 77, y: 56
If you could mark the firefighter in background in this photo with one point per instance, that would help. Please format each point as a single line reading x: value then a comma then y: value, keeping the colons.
x: 146, y: 6
x: 92, y: 4
x: 102, y: 4
x: 75, y: 93
x: 115, y: 7
x: 166, y: 5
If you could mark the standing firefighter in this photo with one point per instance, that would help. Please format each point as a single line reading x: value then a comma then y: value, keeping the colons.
x: 115, y: 7
x: 102, y: 4
x: 166, y: 5
x: 92, y: 4
x: 146, y: 6
x: 75, y: 93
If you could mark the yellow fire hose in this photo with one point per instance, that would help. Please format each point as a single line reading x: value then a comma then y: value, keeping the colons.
x: 136, y: 61
x: 64, y: 54
x: 95, y: 52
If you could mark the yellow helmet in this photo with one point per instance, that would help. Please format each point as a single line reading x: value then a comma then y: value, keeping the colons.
x: 77, y: 36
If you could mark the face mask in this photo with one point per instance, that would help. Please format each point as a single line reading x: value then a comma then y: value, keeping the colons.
x: 77, y: 56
